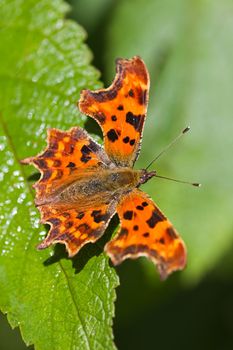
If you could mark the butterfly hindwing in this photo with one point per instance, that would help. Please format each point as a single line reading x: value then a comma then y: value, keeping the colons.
x: 73, y: 226
x: 67, y: 153
x: 145, y: 231
x: 120, y: 110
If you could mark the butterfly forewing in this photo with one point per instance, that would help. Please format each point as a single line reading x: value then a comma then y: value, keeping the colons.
x: 121, y: 110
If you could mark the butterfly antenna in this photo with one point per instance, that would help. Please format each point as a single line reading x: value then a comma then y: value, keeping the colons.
x: 196, y: 184
x: 169, y: 145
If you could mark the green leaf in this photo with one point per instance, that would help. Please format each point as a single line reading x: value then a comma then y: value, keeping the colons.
x: 58, y: 303
x: 187, y: 46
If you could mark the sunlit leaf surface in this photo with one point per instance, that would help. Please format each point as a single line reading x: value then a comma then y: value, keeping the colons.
x: 58, y: 303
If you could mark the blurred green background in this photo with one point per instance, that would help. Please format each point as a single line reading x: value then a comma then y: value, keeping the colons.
x: 187, y: 46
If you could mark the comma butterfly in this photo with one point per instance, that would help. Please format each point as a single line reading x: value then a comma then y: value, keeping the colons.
x: 83, y: 185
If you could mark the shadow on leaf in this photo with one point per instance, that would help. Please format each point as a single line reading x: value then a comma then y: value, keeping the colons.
x: 34, y: 177
x: 92, y: 127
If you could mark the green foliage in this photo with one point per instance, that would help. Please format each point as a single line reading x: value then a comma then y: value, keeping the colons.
x: 58, y: 303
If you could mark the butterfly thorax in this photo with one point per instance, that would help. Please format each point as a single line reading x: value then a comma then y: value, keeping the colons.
x: 99, y: 186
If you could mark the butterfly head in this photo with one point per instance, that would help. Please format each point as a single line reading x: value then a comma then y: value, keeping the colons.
x: 146, y: 175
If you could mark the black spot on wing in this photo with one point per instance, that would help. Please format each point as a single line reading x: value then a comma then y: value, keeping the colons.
x: 135, y: 228
x: 80, y: 215
x: 85, y: 150
x: 132, y: 142
x: 126, y: 139
x: 139, y: 207
x: 154, y: 219
x: 135, y: 120
x: 48, y: 154
x: 114, y: 118
x: 83, y: 228
x: 71, y: 165
x: 112, y: 135
x: 120, y: 108
x: 98, y: 216
x: 171, y: 233
x: 85, y: 159
x: 128, y: 215
x: 131, y: 93
x: 146, y: 234
x: 68, y: 224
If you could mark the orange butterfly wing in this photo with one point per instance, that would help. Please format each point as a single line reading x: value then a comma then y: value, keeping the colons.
x: 67, y: 153
x: 145, y: 231
x: 73, y: 226
x: 69, y: 157
x: 120, y: 110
